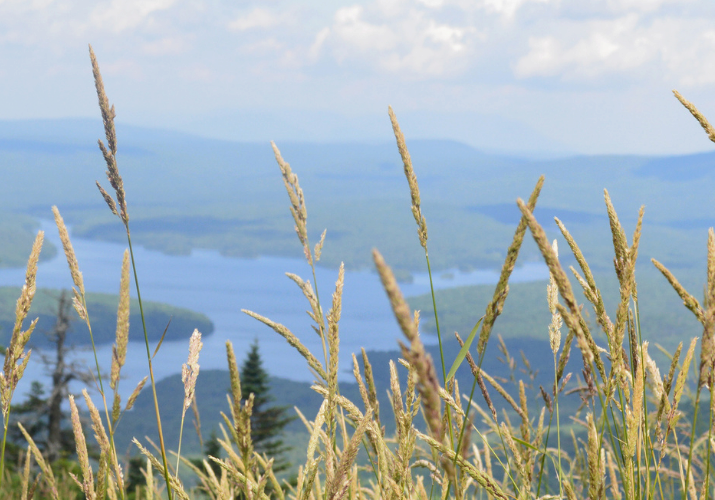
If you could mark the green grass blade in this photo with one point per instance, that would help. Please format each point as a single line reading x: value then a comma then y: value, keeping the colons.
x: 161, y: 340
x: 464, y: 350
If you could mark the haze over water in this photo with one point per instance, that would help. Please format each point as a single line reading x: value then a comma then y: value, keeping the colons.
x: 220, y: 287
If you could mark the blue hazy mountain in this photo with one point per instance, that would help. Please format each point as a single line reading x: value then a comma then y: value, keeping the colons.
x: 187, y: 192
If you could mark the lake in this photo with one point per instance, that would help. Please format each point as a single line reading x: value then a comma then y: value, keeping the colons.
x: 221, y: 286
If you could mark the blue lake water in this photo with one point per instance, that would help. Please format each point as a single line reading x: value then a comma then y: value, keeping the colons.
x: 221, y: 286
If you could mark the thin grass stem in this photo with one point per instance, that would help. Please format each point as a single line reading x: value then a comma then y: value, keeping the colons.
x: 692, y: 441
x: 441, y: 354
x: 321, y: 326
x: 2, y: 452
x: 178, y: 451
x: 648, y: 444
x: 707, y: 445
x: 151, y: 371
x: 110, y: 427
x: 548, y: 434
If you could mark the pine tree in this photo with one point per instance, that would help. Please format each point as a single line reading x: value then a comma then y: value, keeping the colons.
x: 212, y: 448
x: 267, y: 421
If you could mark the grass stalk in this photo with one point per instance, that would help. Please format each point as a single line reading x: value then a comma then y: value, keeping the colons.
x: 6, y: 424
x: 151, y: 370
x: 692, y: 442
x: 15, y: 351
x: 647, y: 443
x: 178, y: 450
x: 119, y: 208
x: 441, y: 353
x: 110, y: 426
x: 548, y: 434
x: 189, y: 374
x: 707, y: 451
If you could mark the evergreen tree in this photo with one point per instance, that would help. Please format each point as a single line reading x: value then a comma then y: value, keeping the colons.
x: 135, y: 477
x: 267, y: 421
x: 212, y: 448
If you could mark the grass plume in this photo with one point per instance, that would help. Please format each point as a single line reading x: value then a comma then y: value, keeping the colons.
x: 109, y: 153
x: 16, y: 358
x: 626, y: 436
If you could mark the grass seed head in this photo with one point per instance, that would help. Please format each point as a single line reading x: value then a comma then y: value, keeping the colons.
x: 235, y: 379
x: 122, y: 337
x: 494, y: 308
x: 319, y: 246
x: 688, y: 300
x: 297, y: 201
x: 82, y: 456
x: 69, y: 251
x: 709, y: 130
x: 552, y: 292
x: 416, y: 354
x: 572, y: 314
x: 334, y: 318
x: 15, y: 353
x: 29, y: 288
x: 49, y: 476
x: 135, y: 393
x: 307, y: 289
x: 190, y: 369
x: 110, y: 153
x: 411, y: 179
x: 596, y: 469
x: 370, y: 381
x: 293, y: 341
x: 97, y: 425
x: 108, y: 199
x: 683, y: 375
x: 711, y: 269
x: 620, y: 243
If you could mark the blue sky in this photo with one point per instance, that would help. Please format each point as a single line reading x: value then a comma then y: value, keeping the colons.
x: 588, y: 76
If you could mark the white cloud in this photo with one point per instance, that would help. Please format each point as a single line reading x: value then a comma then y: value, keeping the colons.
x: 264, y: 46
x: 360, y: 35
x: 256, y: 18
x: 166, y: 46
x: 618, y: 6
x: 632, y: 46
x: 691, y: 61
x: 318, y: 42
x: 197, y: 73
x: 508, y: 8
x: 427, y: 52
x: 413, y: 41
x: 123, y: 67
x: 613, y: 45
x: 121, y: 15
x: 434, y: 4
x: 446, y: 35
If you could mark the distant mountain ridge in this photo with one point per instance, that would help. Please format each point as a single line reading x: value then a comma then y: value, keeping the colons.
x: 188, y: 192
x: 680, y: 168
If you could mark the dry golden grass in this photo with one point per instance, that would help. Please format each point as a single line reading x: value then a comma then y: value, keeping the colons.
x: 629, y: 439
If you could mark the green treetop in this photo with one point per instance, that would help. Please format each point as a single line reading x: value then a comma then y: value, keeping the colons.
x: 267, y: 421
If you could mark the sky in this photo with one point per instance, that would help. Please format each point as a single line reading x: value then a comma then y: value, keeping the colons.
x: 535, y: 77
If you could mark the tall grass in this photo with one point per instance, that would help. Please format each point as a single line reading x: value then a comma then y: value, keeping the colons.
x: 628, y: 439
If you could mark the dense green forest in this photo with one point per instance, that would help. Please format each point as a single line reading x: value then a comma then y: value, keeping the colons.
x: 213, y: 385
x: 523, y: 325
x: 664, y: 320
x: 103, y: 314
x: 17, y: 231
